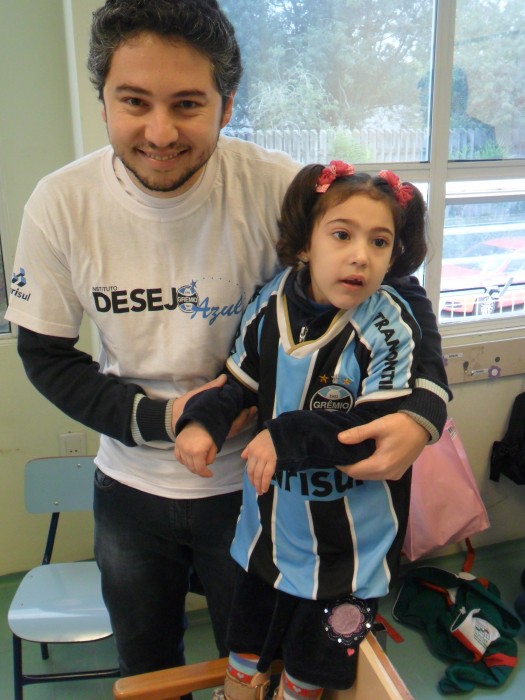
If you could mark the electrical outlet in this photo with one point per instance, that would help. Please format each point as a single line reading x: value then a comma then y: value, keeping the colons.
x: 72, y: 444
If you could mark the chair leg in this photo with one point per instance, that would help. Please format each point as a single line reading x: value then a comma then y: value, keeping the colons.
x: 17, y: 668
x: 44, y: 651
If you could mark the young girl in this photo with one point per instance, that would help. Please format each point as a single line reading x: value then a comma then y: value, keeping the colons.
x: 325, y: 346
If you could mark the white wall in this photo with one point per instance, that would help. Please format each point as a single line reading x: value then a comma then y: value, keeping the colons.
x: 44, y: 125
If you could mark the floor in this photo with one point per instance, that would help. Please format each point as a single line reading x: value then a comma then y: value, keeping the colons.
x: 502, y: 564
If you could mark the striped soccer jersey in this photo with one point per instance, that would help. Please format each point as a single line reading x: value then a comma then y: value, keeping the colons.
x: 317, y: 533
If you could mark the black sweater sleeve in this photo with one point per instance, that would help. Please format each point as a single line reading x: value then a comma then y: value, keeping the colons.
x: 305, y: 439
x: 216, y: 409
x: 72, y: 381
x: 302, y: 438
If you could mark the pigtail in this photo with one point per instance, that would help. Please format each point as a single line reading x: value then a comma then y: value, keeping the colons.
x: 412, y: 234
x: 296, y: 222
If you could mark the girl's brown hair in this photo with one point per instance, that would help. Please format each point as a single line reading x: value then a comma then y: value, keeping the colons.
x: 303, y: 206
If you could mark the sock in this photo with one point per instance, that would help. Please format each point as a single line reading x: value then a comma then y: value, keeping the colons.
x: 242, y: 667
x: 299, y: 690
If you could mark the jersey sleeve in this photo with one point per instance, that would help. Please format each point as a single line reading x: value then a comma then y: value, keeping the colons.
x: 244, y: 359
x: 427, y: 404
x: 216, y: 409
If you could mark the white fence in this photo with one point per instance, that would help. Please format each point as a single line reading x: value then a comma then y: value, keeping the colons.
x: 360, y: 145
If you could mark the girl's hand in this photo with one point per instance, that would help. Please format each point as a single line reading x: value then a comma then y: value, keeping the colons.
x: 195, y: 449
x: 261, y: 461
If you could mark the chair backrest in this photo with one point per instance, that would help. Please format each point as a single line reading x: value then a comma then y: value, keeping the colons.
x: 59, y: 484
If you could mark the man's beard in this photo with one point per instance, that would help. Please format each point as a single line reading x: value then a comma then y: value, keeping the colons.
x: 169, y: 186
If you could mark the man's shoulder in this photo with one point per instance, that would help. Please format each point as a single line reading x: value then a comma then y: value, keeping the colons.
x: 83, y: 166
x: 249, y: 156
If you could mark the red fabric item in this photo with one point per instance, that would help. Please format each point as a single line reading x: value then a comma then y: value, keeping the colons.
x: 501, y: 660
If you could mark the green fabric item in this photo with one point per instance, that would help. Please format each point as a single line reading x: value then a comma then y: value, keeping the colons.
x: 466, y: 622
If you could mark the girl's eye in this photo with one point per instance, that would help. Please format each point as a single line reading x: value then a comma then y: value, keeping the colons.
x: 381, y: 243
x: 341, y: 235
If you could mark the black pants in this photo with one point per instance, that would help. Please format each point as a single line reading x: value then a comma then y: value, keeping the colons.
x: 317, y: 640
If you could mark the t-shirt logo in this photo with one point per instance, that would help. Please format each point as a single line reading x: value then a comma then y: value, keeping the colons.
x: 20, y: 278
x: 332, y: 398
x: 187, y: 297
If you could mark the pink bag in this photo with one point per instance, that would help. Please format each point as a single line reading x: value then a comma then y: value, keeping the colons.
x: 445, y: 503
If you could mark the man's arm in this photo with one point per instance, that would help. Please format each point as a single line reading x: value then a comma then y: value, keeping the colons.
x: 305, y: 439
x: 72, y: 381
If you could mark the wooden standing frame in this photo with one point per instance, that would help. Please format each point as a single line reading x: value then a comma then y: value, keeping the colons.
x: 376, y: 679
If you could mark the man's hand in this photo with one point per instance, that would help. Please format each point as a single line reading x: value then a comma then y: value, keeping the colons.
x: 261, y: 461
x: 195, y: 449
x: 180, y: 402
x: 399, y: 440
x: 245, y: 418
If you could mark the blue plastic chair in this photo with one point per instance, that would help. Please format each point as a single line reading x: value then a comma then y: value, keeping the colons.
x: 58, y: 603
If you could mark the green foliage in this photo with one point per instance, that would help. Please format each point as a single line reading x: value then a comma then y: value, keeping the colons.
x: 363, y: 54
x: 313, y: 64
x: 297, y: 101
x: 342, y: 146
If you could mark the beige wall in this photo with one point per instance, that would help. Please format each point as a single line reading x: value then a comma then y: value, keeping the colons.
x: 481, y: 412
x: 44, y: 124
x: 36, y: 136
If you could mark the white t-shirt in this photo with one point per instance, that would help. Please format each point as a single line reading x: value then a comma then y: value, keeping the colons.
x: 165, y: 282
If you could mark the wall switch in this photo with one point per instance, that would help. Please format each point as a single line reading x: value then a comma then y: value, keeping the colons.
x: 72, y: 444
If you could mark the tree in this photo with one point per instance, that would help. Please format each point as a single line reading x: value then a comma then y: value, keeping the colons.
x: 354, y: 64
x: 363, y: 55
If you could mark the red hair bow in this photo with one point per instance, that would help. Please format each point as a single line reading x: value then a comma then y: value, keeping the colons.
x: 403, y: 193
x: 337, y: 168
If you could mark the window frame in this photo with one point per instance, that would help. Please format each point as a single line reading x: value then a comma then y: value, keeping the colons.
x: 439, y: 171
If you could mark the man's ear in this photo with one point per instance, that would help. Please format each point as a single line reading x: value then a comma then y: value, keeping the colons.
x: 228, y: 110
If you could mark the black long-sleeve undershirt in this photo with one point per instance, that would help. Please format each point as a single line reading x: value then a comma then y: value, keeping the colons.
x: 72, y: 381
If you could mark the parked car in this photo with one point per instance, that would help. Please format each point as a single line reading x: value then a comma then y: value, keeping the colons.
x: 490, y: 277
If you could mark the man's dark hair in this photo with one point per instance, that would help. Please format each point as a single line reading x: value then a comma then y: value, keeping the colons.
x: 200, y: 23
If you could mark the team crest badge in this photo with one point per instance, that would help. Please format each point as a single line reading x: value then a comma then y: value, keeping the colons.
x: 332, y: 398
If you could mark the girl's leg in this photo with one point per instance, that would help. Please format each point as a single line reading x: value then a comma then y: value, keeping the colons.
x: 291, y: 688
x: 243, y: 680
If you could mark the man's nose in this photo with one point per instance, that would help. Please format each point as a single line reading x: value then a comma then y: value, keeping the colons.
x: 161, y: 129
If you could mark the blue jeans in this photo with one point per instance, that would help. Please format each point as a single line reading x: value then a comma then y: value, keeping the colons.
x: 147, y: 547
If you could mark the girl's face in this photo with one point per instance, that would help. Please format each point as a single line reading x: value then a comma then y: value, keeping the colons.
x: 350, y: 251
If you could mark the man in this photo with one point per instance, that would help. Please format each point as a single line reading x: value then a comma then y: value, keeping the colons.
x: 161, y: 238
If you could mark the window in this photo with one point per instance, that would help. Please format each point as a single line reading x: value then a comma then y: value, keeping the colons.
x: 5, y: 326
x: 334, y: 78
x: 483, y: 261
x: 437, y: 90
